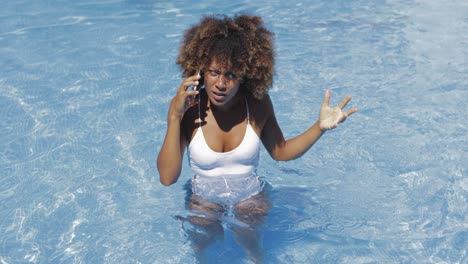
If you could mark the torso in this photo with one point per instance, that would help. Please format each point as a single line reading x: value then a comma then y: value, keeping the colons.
x: 224, y: 155
x: 226, y: 135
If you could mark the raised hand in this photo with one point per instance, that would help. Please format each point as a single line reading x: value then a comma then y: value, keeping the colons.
x: 330, y: 117
x: 184, y: 98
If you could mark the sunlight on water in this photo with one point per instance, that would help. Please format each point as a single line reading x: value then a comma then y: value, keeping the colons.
x: 84, y: 91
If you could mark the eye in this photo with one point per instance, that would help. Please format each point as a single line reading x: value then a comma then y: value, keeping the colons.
x: 231, y: 76
x: 214, y: 73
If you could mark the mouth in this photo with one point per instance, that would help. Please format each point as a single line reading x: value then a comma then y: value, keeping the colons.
x: 219, y: 97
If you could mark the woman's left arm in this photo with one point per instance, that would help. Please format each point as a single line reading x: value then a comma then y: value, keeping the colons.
x: 281, y: 149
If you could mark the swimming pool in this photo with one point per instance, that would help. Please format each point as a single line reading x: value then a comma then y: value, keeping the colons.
x: 85, y: 87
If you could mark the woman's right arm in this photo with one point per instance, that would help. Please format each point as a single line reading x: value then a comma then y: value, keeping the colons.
x: 170, y: 156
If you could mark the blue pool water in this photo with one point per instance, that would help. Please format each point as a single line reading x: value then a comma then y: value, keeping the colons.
x: 84, y: 90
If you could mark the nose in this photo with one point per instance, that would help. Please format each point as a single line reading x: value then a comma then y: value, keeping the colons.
x: 221, y: 82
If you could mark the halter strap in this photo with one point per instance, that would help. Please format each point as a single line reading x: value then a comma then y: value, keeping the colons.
x: 247, y: 106
x: 199, y: 112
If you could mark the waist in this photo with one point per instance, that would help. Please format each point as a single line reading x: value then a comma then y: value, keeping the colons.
x: 231, y: 171
x: 227, y: 189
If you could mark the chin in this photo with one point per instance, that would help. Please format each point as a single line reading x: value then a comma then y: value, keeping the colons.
x: 217, y: 103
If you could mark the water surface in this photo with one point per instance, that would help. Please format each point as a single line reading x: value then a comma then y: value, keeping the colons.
x: 84, y: 91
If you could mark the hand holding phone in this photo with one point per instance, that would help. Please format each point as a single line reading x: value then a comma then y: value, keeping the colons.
x: 195, y: 87
x: 193, y: 99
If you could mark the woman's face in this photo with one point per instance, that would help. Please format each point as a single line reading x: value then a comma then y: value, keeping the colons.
x: 221, y: 85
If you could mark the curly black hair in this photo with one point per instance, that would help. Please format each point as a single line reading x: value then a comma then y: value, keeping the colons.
x: 241, y: 44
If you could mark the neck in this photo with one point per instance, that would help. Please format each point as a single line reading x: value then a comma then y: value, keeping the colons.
x: 236, y: 101
x: 230, y: 115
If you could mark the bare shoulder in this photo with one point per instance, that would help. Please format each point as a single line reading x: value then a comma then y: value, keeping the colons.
x: 260, y: 111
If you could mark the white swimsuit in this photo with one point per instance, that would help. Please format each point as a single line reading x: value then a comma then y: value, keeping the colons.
x: 225, y: 177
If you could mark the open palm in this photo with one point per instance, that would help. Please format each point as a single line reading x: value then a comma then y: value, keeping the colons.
x: 330, y: 117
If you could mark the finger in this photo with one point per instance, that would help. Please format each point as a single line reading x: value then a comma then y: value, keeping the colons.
x: 345, y: 102
x: 195, y: 77
x: 326, y: 100
x: 350, y: 112
x: 192, y: 87
x: 346, y: 114
x: 191, y: 92
x: 192, y: 80
x: 187, y: 83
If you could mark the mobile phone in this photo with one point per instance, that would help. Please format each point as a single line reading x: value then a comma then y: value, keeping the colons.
x: 192, y: 88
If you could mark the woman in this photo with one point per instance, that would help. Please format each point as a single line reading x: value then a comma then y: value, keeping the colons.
x: 223, y: 123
